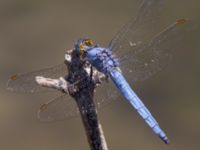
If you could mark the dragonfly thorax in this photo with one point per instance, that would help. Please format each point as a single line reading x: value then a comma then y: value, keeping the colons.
x: 102, y: 59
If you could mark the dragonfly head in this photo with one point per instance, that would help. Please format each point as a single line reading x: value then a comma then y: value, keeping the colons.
x: 83, y: 45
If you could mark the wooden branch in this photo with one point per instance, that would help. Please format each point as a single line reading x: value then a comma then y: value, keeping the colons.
x: 80, y: 84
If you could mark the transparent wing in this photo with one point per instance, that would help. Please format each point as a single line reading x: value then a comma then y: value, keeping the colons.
x: 142, y: 51
x: 156, y: 54
x: 26, y: 82
x: 132, y: 38
x: 64, y: 107
x: 60, y: 108
x: 105, y: 94
x: 139, y: 30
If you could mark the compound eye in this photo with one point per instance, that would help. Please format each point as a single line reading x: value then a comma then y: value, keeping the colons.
x: 89, y: 43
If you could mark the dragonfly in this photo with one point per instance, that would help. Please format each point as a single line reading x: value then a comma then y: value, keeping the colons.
x: 135, y: 53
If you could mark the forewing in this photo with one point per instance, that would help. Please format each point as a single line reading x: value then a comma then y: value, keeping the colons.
x: 131, y: 38
x: 139, y: 30
x: 26, y: 82
x: 141, y: 50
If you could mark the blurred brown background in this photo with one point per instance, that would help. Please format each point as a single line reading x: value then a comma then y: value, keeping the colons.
x: 35, y: 34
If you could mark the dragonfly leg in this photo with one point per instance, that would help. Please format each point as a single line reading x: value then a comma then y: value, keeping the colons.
x: 91, y: 71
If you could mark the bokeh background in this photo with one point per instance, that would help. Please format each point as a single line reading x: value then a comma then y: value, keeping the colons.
x: 35, y: 34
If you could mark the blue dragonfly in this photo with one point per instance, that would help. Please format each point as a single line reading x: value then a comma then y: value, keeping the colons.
x: 137, y: 51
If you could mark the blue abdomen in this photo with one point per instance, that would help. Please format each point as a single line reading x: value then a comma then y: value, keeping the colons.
x: 135, y: 101
x: 103, y: 60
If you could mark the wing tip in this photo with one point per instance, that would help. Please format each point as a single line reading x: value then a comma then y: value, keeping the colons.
x: 8, y: 85
x: 181, y: 21
x: 14, y: 77
x: 41, y: 114
x: 43, y: 107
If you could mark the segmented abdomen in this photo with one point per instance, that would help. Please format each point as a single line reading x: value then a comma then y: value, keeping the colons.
x: 135, y: 101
